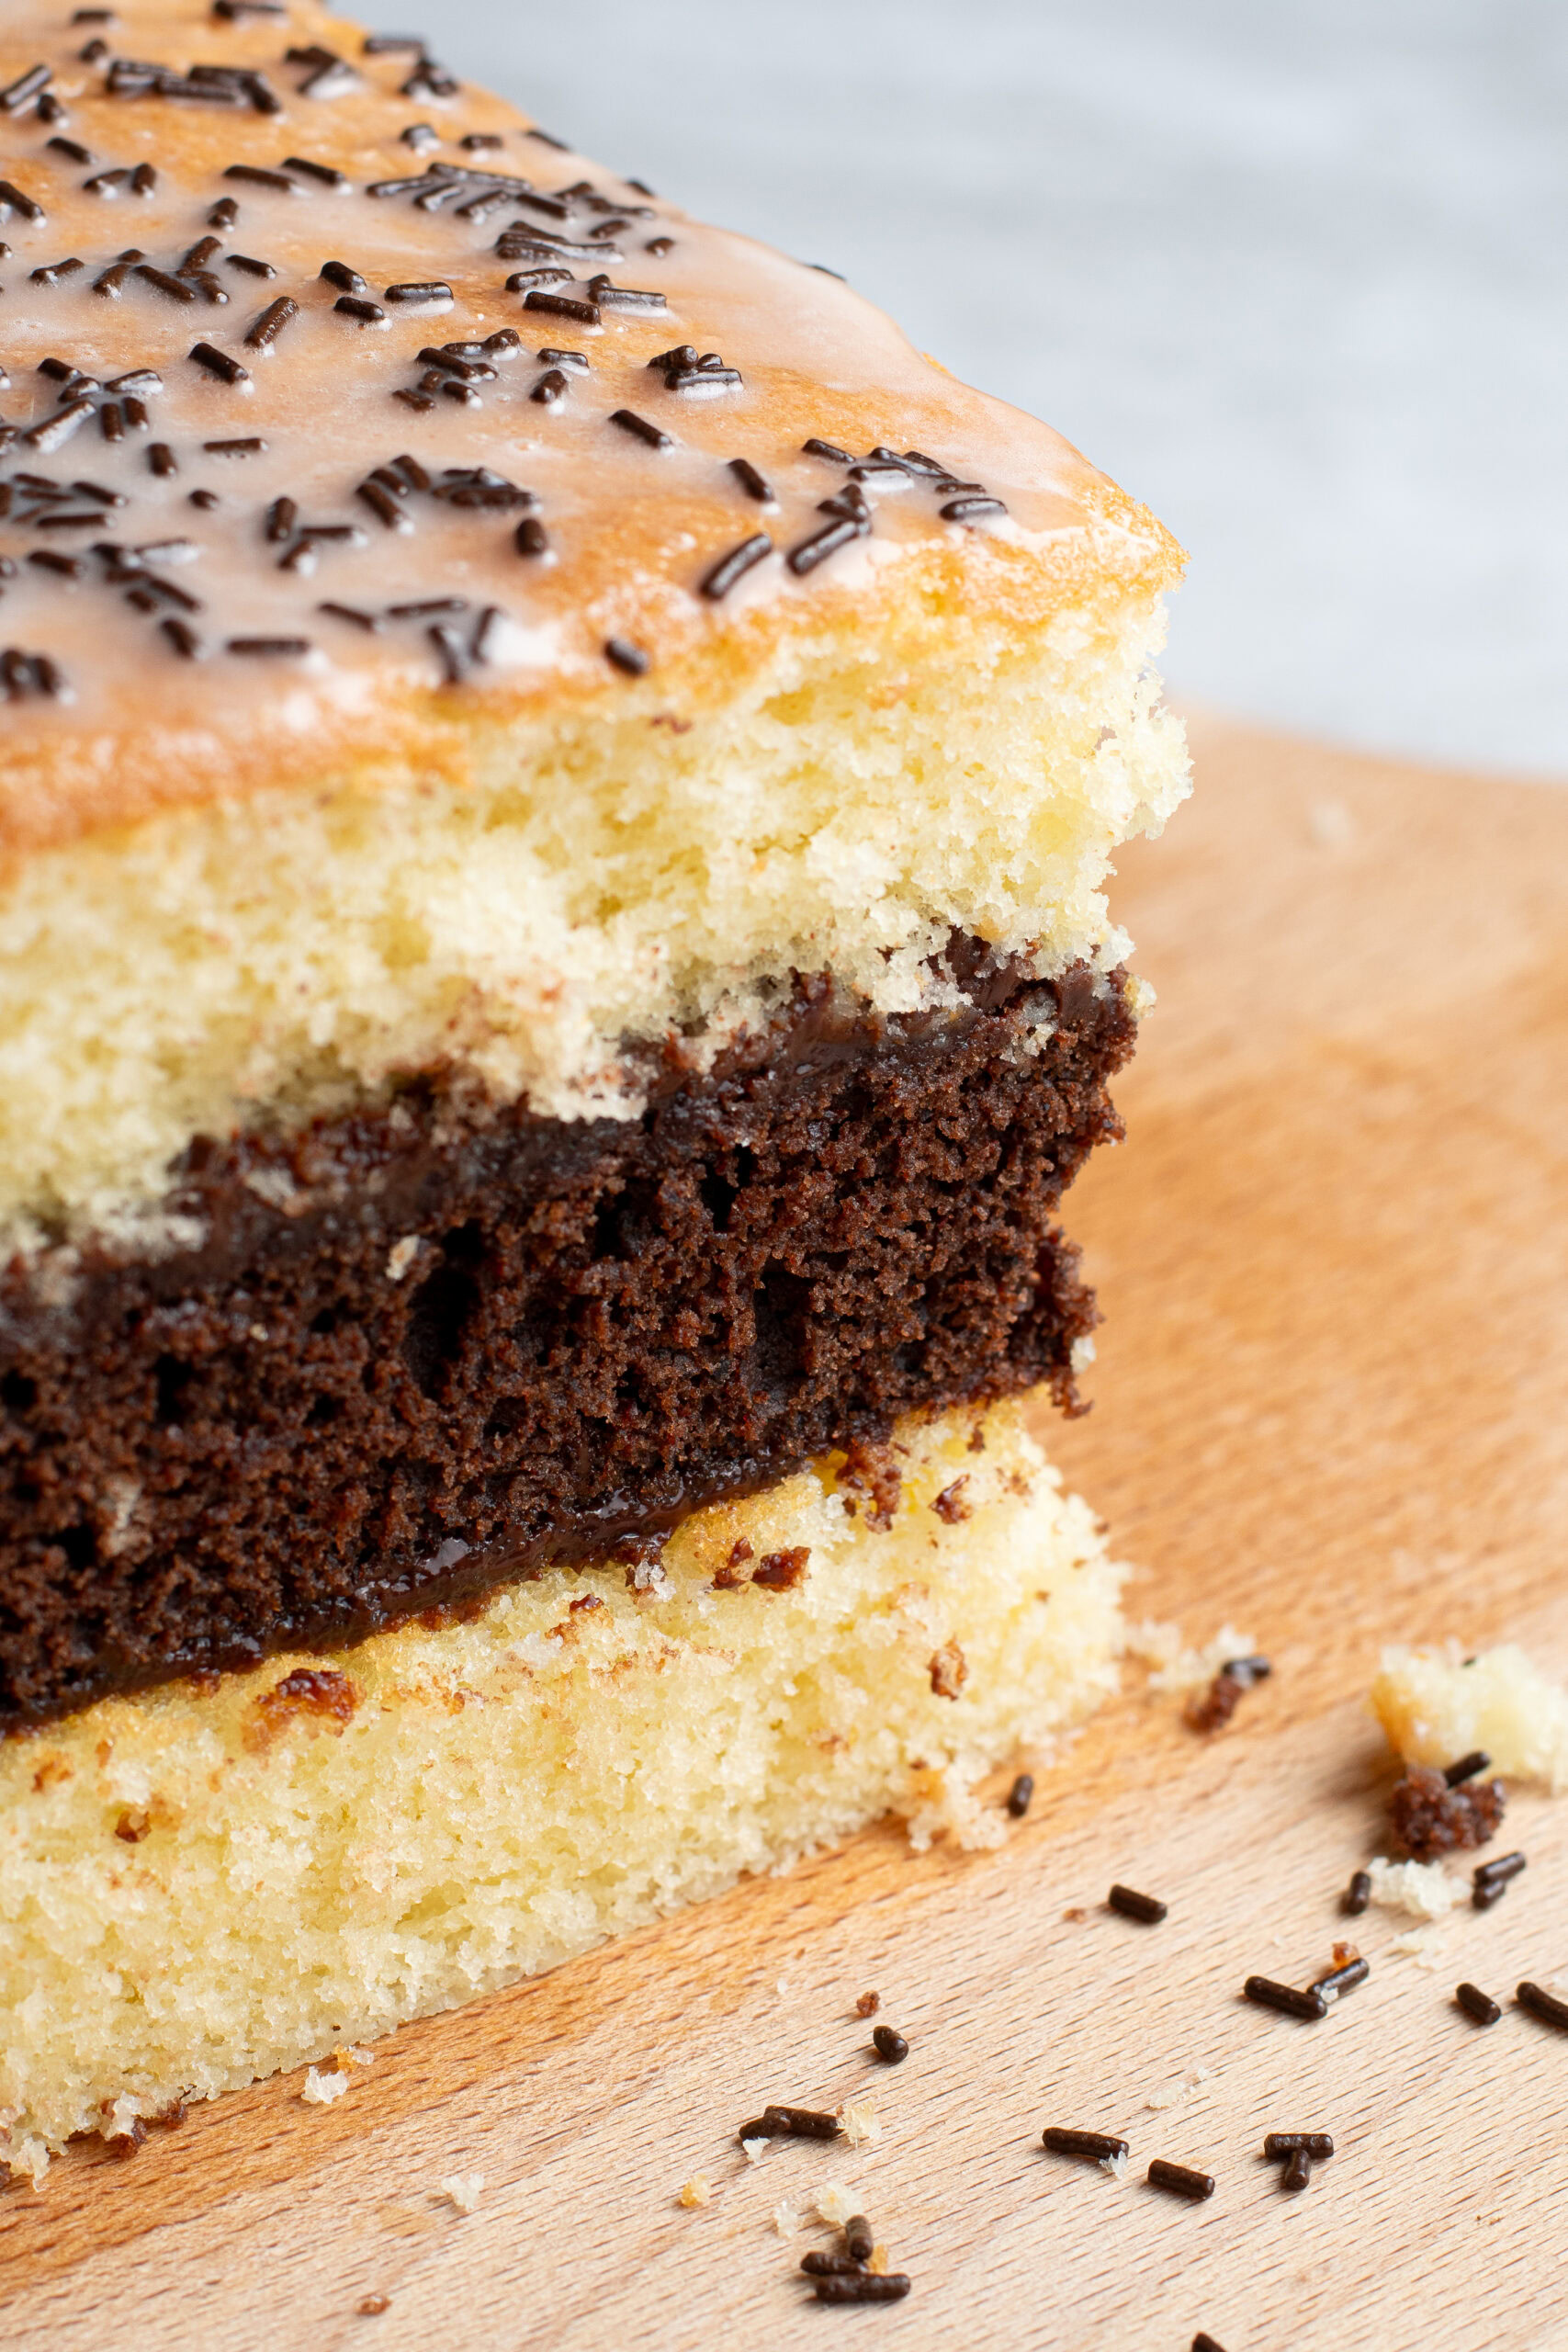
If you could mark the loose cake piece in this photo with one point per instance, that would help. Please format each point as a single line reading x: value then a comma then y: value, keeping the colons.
x: 556, y: 784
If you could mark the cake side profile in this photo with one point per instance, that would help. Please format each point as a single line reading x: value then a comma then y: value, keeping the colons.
x: 557, y: 785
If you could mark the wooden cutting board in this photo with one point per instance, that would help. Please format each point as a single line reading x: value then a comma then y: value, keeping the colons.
x: 1330, y: 1408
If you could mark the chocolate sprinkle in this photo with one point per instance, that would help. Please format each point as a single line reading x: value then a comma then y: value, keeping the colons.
x: 1180, y: 2180
x: 252, y: 267
x: 271, y: 323
x: 218, y: 363
x: 161, y: 458
x: 733, y: 566
x: 1477, y: 2004
x: 890, y: 2046
x: 1343, y: 1979
x: 256, y: 176
x: 869, y: 2287
x: 1021, y: 1795
x: 1132, y: 1905
x: 338, y: 274
x: 1063, y: 2142
x: 1540, y: 2004
x: 354, y: 305
x: 756, y: 485
x: 531, y: 538
x: 252, y: 447
x: 268, y: 645
x: 326, y: 173
x: 1298, y: 2172
x: 1284, y: 1998
x: 624, y: 655
x: 433, y: 292
x: 1280, y: 2144
x: 629, y: 421
x: 1467, y: 1767
x: 799, y: 2123
x: 822, y: 544
x: 182, y: 637
x: 1357, y: 1895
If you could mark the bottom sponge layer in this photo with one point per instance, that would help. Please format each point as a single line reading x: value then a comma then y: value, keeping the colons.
x: 211, y: 1881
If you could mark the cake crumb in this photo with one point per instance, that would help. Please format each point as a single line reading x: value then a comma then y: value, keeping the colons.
x: 752, y: 2150
x: 862, y: 2124
x: 401, y: 1256
x: 1172, y: 2093
x: 696, y: 2191
x: 1438, y: 1704
x: 949, y: 1670
x: 1175, y: 1667
x: 320, y: 2086
x: 878, y: 2262
x: 1423, y: 1889
x: 462, y: 2190
x: 372, y: 2306
x: 867, y: 2005
x: 1115, y: 2165
x: 836, y: 2203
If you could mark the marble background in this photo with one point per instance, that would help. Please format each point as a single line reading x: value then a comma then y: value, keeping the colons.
x: 1296, y: 271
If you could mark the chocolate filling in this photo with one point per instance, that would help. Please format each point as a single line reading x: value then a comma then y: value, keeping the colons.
x: 438, y: 1343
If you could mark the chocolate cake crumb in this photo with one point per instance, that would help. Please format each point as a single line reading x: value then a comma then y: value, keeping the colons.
x: 867, y: 2005
x: 310, y: 1691
x: 782, y: 1571
x: 728, y: 1577
x: 1218, y: 1703
x: 372, y: 2306
x: 1430, y: 1818
x: 869, y: 1469
x: 950, y: 1506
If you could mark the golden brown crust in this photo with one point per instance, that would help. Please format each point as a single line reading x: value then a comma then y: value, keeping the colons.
x: 633, y: 531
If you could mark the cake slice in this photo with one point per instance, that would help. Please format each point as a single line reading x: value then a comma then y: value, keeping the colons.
x: 558, y: 782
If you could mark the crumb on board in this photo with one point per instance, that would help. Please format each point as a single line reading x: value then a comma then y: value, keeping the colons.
x: 322, y: 2084
x: 1429, y: 1818
x: 1171, y: 2094
x: 1172, y: 1665
x: 696, y: 2191
x: 372, y: 2306
x: 1435, y: 1704
x: 836, y: 2203
x: 752, y: 2149
x: 462, y: 2190
x: 1115, y: 2165
x: 1423, y: 1889
x: 860, y: 2123
x: 867, y: 2005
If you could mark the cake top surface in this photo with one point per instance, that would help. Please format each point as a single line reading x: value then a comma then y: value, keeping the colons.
x: 342, y: 401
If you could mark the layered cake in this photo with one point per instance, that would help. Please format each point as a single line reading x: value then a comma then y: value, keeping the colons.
x: 558, y: 782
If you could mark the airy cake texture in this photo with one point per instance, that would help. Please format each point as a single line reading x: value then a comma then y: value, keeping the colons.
x: 556, y: 790
x: 206, y: 1883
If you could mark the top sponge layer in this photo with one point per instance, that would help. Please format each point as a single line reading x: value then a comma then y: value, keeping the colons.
x: 375, y: 323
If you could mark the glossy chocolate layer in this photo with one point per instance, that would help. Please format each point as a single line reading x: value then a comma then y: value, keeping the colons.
x: 428, y: 1347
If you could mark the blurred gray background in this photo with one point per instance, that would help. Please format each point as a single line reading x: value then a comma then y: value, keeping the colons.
x: 1295, y: 271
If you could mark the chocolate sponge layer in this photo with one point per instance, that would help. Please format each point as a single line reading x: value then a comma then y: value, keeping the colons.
x: 437, y: 1343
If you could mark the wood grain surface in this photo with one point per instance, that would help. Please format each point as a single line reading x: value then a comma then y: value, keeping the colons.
x: 1329, y: 1407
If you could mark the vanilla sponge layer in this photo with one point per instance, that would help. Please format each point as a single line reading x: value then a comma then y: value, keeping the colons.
x: 570, y: 883
x: 200, y: 1887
